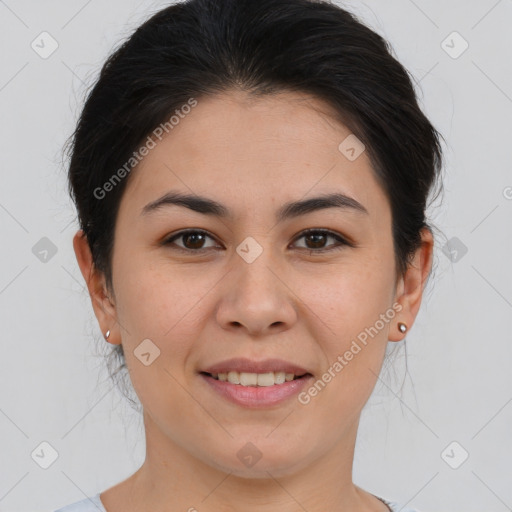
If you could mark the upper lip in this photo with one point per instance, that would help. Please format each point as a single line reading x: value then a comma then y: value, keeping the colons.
x: 241, y: 364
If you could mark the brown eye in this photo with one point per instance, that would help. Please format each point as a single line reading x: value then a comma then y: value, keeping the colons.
x: 192, y: 240
x: 316, y: 240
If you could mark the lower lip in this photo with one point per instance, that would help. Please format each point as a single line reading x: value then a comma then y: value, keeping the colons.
x: 257, y: 396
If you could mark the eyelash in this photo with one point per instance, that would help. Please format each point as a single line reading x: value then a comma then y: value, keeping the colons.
x: 341, y: 241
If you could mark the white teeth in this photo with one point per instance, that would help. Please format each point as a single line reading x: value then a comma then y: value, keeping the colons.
x: 234, y: 377
x: 265, y: 379
x: 279, y: 377
x: 248, y: 379
x: 255, y: 379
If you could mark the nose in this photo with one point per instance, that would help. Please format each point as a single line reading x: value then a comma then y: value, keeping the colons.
x: 256, y: 298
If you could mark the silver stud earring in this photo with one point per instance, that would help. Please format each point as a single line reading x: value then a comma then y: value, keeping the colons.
x: 107, y: 334
x: 402, y: 327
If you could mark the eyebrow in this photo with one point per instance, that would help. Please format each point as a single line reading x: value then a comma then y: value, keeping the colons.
x: 289, y: 210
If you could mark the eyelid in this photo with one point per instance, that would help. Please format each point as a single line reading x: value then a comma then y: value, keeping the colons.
x: 342, y: 240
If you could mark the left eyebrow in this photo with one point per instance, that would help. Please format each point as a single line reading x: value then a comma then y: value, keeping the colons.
x: 289, y: 210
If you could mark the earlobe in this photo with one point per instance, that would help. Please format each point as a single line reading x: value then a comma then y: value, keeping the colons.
x: 104, y: 309
x: 412, y: 286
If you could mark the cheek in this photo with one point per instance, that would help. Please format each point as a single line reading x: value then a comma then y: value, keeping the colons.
x: 158, y: 307
x: 350, y: 297
x: 354, y: 304
x: 156, y: 298
x: 167, y: 306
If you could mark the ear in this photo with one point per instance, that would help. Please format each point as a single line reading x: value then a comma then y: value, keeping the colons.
x: 103, y: 305
x: 410, y: 286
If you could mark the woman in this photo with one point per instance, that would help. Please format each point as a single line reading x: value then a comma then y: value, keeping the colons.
x: 251, y: 179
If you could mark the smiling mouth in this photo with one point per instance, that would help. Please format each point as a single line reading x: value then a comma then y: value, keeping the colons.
x: 255, y: 379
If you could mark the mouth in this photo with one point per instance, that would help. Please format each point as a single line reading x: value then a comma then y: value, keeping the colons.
x: 247, y: 379
x: 256, y: 384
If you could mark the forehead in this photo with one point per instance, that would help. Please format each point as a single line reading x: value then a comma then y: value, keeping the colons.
x: 242, y: 150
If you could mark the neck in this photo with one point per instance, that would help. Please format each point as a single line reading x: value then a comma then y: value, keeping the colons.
x: 173, y: 479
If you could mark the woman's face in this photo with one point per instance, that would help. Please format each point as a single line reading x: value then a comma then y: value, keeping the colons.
x: 255, y: 287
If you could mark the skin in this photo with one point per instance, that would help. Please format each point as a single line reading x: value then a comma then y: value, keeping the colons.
x: 252, y: 155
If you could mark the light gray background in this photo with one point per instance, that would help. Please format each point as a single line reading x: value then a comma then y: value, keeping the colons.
x: 52, y: 381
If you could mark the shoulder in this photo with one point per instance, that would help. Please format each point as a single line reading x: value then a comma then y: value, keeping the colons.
x: 397, y: 507
x: 92, y: 504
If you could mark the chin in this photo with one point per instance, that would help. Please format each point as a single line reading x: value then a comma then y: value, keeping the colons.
x: 252, y: 462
